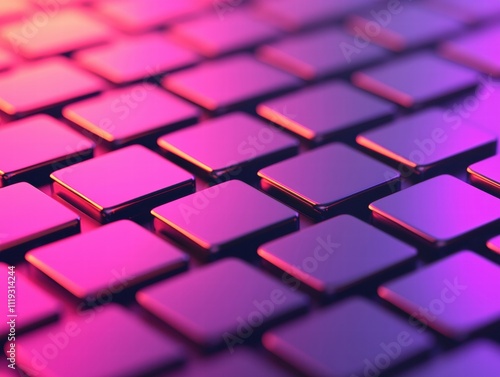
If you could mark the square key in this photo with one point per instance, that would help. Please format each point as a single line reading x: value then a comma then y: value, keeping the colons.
x: 337, y: 254
x: 136, y: 113
x: 456, y: 296
x: 416, y: 80
x: 231, y: 216
x: 121, y: 184
x: 110, y: 259
x: 29, y: 216
x: 213, y: 304
x: 306, y: 183
x: 486, y: 174
x: 229, y: 146
x: 439, y: 211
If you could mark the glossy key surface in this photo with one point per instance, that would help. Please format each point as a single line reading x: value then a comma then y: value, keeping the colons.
x: 134, y: 113
x: 426, y: 141
x: 415, y: 80
x: 304, y: 55
x: 37, y: 146
x: 84, y: 346
x: 28, y: 215
x: 135, y: 58
x: 122, y: 183
x: 455, y: 296
x: 453, y: 210
x: 242, y: 78
x: 486, y: 173
x: 321, y: 113
x: 336, y: 254
x: 225, y: 217
x: 10, y: 10
x: 344, y: 340
x: 246, y: 144
x: 112, y: 258
x: 208, y: 305
x: 43, y: 84
x: 305, y: 181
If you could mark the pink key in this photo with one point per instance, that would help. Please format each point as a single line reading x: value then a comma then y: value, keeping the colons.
x: 7, y: 59
x: 40, y: 85
x: 131, y: 114
x: 135, y: 58
x: 63, y: 31
x: 13, y: 9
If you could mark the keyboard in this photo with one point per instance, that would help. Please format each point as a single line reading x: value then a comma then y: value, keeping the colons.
x: 271, y: 188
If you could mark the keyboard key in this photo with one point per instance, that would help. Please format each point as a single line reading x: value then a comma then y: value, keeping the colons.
x: 43, y: 84
x: 494, y: 244
x: 336, y: 254
x: 467, y: 11
x: 439, y: 211
x: 304, y: 55
x: 132, y: 114
x: 135, y: 58
x: 447, y: 291
x: 64, y: 31
x: 32, y: 148
x: 231, y: 216
x: 305, y: 182
x: 476, y: 50
x: 33, y: 306
x: 29, y: 216
x: 121, y: 184
x: 486, y: 174
x: 353, y: 338
x: 212, y: 36
x: 243, y: 78
x: 426, y: 142
x: 400, y: 28
x: 311, y: 113
x: 119, y: 256
x: 228, y: 302
x: 411, y: 81
x: 10, y: 10
x: 481, y: 358
x: 133, y: 348
x: 7, y: 59
x: 246, y: 146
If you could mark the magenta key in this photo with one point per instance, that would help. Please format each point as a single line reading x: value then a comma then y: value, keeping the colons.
x: 135, y: 58
x: 229, y: 146
x: 494, y: 244
x: 107, y: 260
x: 456, y: 296
x: 138, y: 113
x: 81, y: 342
x: 43, y: 84
x: 231, y: 216
x: 486, y: 174
x: 29, y: 216
x: 223, y: 303
x: 32, y: 148
x: 243, y: 78
x: 123, y: 183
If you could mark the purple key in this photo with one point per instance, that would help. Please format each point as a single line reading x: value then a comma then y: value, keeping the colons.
x: 439, y: 211
x: 426, y: 142
x: 107, y: 260
x: 32, y: 148
x: 29, y: 216
x: 350, y: 339
x: 467, y: 11
x: 305, y: 182
x: 135, y: 58
x: 243, y: 78
x: 212, y: 36
x: 231, y: 216
x: 337, y: 254
x: 399, y: 26
x: 121, y: 184
x: 304, y: 55
x: 81, y: 342
x: 485, y: 174
x: 134, y: 114
x: 411, y: 81
x: 229, y: 146
x: 228, y: 302
x: 455, y: 296
x: 312, y: 114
